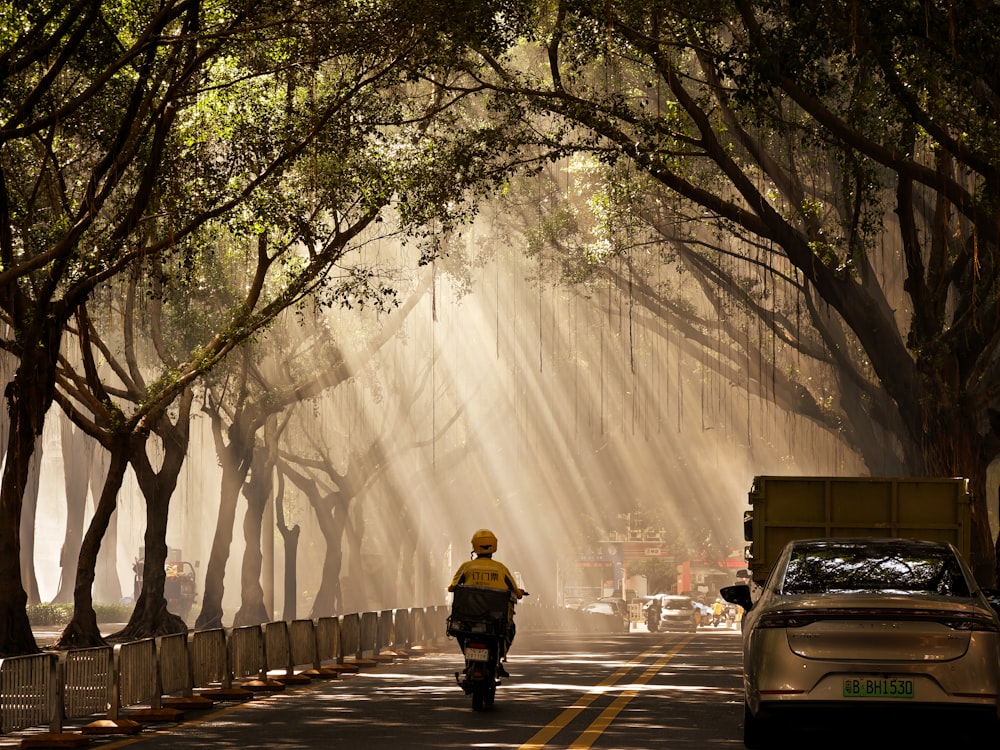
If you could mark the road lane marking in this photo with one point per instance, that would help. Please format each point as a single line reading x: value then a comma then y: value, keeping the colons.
x: 550, y: 730
x: 608, y: 715
x: 553, y: 728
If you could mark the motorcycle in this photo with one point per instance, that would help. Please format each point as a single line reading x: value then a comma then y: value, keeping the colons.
x: 730, y: 613
x: 482, y: 620
x: 652, y: 619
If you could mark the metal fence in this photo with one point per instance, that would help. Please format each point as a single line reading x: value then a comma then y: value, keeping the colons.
x: 44, y: 690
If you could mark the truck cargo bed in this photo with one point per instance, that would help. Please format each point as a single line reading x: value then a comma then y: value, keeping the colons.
x: 786, y: 508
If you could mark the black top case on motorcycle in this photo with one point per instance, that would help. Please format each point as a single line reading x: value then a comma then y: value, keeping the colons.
x: 476, y: 610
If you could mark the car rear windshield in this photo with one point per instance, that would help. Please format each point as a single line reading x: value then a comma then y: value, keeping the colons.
x: 898, y: 568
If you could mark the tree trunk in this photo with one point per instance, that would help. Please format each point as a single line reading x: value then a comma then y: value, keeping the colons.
x: 29, y: 511
x: 235, y: 459
x: 332, y: 521
x: 28, y: 397
x: 252, y: 610
x: 150, y: 617
x: 290, y: 539
x: 290, y: 542
x: 78, y: 454
x: 107, y: 584
x: 356, y: 596
x: 16, y: 637
x: 331, y: 518
x: 82, y: 630
x: 949, y: 449
x: 402, y: 551
x: 983, y: 554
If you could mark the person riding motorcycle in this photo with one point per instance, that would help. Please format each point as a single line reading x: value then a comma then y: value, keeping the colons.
x: 483, y: 570
x: 717, y: 612
x: 654, y: 611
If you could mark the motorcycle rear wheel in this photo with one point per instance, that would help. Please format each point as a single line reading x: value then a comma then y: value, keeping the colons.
x: 478, y: 697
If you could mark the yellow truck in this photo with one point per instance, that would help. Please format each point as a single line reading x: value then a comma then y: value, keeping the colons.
x: 783, y: 508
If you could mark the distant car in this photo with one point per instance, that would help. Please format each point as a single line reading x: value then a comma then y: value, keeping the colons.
x: 573, y: 602
x: 873, y: 626
x: 620, y: 605
x: 608, y: 608
x: 677, y: 613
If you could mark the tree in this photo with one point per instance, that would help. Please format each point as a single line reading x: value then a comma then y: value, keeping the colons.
x: 742, y: 329
x: 661, y: 575
x: 84, y: 469
x: 840, y: 158
x: 296, y: 374
x: 98, y: 409
x: 131, y: 132
x: 81, y: 107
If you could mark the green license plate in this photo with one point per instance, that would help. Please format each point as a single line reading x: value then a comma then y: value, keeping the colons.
x: 878, y: 687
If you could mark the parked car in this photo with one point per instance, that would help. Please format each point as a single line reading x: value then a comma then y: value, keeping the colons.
x: 678, y: 613
x: 620, y: 605
x: 869, y: 627
x: 608, y: 608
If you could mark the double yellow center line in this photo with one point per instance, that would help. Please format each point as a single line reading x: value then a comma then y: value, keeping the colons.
x: 603, y: 721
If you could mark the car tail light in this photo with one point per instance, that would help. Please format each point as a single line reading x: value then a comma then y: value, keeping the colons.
x: 797, y: 618
x: 974, y: 621
x: 792, y: 619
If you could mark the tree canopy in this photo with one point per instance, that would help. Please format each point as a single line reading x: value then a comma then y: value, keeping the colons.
x: 826, y: 169
x: 151, y: 138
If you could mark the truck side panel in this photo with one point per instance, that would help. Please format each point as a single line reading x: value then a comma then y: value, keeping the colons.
x: 787, y: 508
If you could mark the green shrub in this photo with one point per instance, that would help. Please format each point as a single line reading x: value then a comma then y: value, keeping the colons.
x: 50, y: 614
x: 113, y: 612
x: 45, y: 615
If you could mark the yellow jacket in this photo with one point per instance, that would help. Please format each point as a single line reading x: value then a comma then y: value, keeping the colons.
x: 486, y: 572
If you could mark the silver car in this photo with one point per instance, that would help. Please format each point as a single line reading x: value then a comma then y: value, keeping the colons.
x: 609, y: 608
x: 678, y: 613
x: 867, y: 625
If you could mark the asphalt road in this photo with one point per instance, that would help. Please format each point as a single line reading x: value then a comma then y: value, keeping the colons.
x: 635, y: 690
x: 623, y: 691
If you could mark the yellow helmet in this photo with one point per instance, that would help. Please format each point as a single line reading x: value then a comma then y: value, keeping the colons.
x: 484, y: 542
